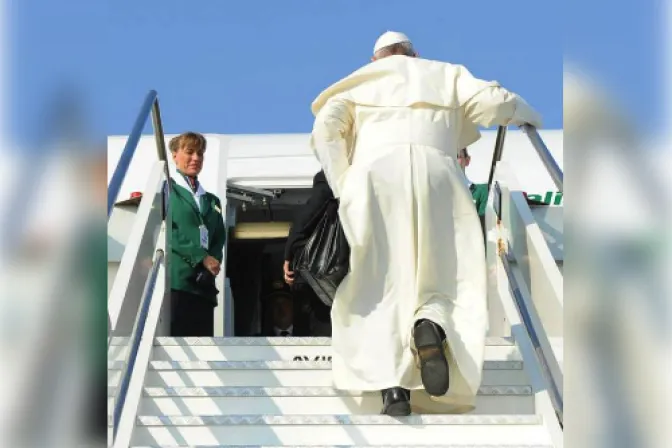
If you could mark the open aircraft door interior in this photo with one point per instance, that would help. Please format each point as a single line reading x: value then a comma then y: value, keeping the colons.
x: 258, y: 226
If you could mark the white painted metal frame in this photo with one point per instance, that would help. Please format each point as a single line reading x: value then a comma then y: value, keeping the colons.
x: 532, y: 263
x: 136, y: 261
x: 224, y: 300
x: 126, y: 423
x: 532, y: 255
x: 537, y: 283
x: 148, y: 236
x: 542, y: 398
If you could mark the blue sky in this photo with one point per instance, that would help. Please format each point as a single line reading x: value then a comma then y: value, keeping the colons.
x: 255, y: 66
x: 621, y: 44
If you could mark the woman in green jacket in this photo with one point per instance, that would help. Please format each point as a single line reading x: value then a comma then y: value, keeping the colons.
x: 197, y: 239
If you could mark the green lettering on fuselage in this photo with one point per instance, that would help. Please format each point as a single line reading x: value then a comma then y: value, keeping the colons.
x: 549, y: 197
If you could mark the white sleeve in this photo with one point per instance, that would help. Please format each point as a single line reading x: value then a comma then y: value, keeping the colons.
x: 496, y: 106
x: 330, y: 138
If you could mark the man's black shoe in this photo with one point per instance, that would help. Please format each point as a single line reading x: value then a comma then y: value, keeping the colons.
x: 429, y: 338
x: 396, y: 402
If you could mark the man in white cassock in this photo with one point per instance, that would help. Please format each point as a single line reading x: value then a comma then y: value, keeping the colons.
x: 411, y: 314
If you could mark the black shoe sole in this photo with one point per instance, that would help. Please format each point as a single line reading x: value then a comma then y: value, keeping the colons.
x: 433, y: 363
x: 399, y: 409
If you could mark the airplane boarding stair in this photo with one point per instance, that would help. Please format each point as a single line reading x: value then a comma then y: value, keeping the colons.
x: 271, y: 392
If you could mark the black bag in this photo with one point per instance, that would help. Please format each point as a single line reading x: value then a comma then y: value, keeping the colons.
x: 204, y: 280
x: 323, y: 261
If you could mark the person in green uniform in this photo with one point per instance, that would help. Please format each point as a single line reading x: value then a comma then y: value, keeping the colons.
x: 478, y: 191
x: 197, y: 239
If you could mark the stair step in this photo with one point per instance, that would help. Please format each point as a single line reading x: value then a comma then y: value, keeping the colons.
x: 307, y: 392
x: 271, y: 349
x: 349, y: 446
x: 167, y: 341
x: 362, y: 430
x: 184, y: 401
x: 278, y: 373
x: 248, y: 366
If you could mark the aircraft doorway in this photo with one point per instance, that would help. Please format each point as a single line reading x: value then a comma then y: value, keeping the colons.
x: 255, y: 255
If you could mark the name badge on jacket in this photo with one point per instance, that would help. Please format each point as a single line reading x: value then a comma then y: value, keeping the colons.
x: 204, y: 236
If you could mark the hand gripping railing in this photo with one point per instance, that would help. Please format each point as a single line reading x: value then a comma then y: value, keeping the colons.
x: 557, y: 176
x: 150, y: 105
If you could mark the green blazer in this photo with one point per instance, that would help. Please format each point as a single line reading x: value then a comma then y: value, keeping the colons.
x: 186, y: 251
x: 480, y: 194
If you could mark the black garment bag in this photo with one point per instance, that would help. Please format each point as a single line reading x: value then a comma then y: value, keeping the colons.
x: 323, y: 260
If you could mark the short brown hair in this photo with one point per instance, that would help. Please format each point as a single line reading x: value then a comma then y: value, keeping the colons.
x: 187, y: 138
x: 400, y: 48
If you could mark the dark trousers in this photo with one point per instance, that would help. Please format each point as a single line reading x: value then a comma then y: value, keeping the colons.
x: 320, y: 319
x: 191, y: 316
x: 482, y: 219
x: 312, y: 317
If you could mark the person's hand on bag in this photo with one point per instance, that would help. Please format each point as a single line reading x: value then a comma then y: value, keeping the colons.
x: 212, y: 265
x: 289, y: 275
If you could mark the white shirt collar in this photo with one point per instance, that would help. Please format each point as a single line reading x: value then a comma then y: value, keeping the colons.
x: 290, y: 330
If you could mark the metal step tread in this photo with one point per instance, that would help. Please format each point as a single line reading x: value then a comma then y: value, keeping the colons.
x: 339, y: 420
x: 345, y: 446
x: 266, y: 341
x: 295, y: 391
x: 275, y: 365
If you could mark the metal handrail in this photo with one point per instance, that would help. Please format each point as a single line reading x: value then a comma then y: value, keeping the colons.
x: 556, y: 396
x: 149, y: 106
x: 542, y: 150
x: 557, y: 176
x: 136, y: 336
x: 544, y: 154
x: 497, y: 154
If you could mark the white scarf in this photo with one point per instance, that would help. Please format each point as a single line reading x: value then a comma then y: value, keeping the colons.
x: 181, y: 181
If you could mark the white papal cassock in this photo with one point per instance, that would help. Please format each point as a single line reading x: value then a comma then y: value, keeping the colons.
x: 387, y: 137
